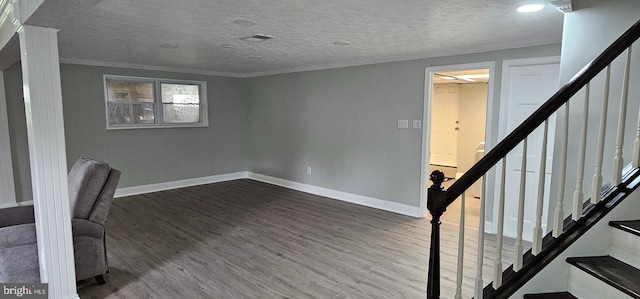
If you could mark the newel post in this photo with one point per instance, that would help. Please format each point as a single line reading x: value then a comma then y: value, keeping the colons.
x: 436, y: 204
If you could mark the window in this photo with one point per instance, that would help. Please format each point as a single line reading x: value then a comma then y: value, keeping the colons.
x: 134, y: 103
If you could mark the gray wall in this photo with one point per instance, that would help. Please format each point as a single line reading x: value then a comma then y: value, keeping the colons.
x: 145, y: 156
x: 587, y: 32
x: 340, y: 122
x: 18, y: 132
x: 343, y: 123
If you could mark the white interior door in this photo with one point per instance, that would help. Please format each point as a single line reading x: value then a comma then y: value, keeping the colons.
x: 444, y: 125
x: 527, y: 88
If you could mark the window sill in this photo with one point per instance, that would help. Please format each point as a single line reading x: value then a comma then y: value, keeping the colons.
x: 155, y: 126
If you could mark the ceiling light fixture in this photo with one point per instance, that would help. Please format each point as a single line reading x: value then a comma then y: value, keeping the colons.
x: 254, y: 57
x: 342, y: 43
x: 475, y: 76
x: 446, y: 77
x: 228, y: 46
x: 530, y: 8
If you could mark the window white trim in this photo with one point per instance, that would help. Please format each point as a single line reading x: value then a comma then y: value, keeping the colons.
x: 158, y: 112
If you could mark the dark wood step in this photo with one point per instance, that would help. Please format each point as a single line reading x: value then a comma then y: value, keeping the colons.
x: 630, y: 226
x: 612, y: 271
x: 561, y: 295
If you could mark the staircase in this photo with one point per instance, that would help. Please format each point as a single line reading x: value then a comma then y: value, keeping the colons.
x: 614, y: 274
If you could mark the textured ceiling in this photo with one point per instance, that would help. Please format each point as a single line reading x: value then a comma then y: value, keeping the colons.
x: 190, y: 34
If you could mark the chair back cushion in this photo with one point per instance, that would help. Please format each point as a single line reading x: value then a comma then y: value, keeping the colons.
x: 86, y: 180
x: 102, y: 206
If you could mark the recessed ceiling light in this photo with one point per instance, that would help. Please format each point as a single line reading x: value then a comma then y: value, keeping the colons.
x: 228, y: 46
x: 245, y: 22
x: 530, y: 8
x: 342, y: 43
x: 254, y: 57
x: 475, y: 76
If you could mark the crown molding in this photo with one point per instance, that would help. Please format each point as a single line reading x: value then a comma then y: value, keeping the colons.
x: 564, y: 6
x: 149, y: 67
x: 352, y: 63
x: 397, y: 58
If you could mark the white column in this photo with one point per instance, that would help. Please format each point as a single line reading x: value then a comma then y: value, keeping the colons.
x: 7, y: 187
x: 45, y: 130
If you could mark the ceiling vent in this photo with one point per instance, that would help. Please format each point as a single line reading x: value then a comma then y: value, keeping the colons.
x: 257, y: 38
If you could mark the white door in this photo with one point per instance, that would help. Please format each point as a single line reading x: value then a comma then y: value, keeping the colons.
x: 527, y: 88
x: 444, y: 125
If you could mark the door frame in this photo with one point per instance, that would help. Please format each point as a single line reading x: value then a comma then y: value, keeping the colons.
x: 426, y: 116
x: 504, y: 91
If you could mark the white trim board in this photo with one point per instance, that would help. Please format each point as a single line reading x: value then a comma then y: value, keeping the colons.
x: 306, y: 68
x: 142, y: 189
x: 311, y: 189
x: 342, y: 196
x: 16, y: 204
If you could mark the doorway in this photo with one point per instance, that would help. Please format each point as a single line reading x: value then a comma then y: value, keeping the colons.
x: 455, y: 118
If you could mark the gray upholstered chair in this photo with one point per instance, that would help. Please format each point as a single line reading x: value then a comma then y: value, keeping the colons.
x: 91, y: 188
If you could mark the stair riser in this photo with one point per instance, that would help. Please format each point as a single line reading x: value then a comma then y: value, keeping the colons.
x: 584, y: 286
x: 625, y: 247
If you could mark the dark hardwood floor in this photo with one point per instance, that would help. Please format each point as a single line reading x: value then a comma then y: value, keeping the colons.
x: 247, y: 239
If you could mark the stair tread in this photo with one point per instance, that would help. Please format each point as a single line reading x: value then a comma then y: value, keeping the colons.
x: 612, y: 271
x: 560, y: 295
x: 630, y: 226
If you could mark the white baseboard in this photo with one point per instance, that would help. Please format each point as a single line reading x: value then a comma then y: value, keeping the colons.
x: 135, y: 190
x: 488, y: 227
x: 339, y: 195
x: 16, y: 204
x: 326, y: 192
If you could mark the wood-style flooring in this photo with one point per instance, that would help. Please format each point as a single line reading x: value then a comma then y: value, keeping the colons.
x: 247, y: 239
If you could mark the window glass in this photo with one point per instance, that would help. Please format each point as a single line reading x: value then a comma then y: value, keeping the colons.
x: 133, y: 103
x: 181, y: 103
x: 128, y: 91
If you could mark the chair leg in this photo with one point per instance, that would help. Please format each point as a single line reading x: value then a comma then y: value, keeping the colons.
x: 100, y: 279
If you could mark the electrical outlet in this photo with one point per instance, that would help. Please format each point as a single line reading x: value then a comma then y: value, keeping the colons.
x: 417, y: 123
x: 308, y: 169
x: 403, y: 124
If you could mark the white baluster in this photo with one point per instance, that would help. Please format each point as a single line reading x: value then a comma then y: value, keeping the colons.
x: 636, y: 143
x: 596, y: 186
x: 558, y: 219
x: 479, y: 283
x: 458, y: 294
x: 617, y: 159
x: 537, y: 231
x: 578, y: 195
x: 517, y: 265
x: 497, y: 264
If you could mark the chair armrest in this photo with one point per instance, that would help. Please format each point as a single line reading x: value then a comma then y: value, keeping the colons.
x: 17, y: 235
x: 16, y: 215
x: 87, y: 228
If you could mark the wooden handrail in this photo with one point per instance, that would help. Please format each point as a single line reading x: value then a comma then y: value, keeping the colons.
x: 556, y: 101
